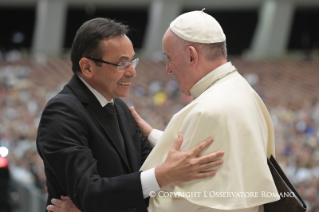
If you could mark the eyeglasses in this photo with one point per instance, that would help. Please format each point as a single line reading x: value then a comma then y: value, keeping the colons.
x: 121, y: 66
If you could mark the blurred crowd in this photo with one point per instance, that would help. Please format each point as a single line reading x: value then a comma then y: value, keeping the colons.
x: 297, y: 149
x: 20, y: 110
x: 27, y: 84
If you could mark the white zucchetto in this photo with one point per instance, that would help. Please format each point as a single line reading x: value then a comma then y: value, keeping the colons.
x: 199, y: 27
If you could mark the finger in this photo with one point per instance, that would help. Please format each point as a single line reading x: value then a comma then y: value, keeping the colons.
x: 210, y: 157
x: 178, y: 142
x: 53, y: 208
x: 205, y: 174
x: 65, y: 198
x: 199, y: 148
x: 57, y: 202
x: 205, y: 167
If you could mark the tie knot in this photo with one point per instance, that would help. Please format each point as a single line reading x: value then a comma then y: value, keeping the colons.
x: 110, y: 109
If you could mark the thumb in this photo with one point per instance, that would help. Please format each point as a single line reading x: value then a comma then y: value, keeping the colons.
x: 134, y: 113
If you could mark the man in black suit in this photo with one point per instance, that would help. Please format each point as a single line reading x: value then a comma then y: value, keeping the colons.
x: 90, y: 144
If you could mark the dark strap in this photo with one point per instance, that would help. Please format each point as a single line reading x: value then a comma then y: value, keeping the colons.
x: 292, y: 202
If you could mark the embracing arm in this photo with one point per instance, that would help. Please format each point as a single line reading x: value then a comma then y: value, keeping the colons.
x: 178, y: 167
x: 96, y: 191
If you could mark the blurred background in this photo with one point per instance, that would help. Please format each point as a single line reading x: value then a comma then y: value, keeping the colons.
x: 273, y: 43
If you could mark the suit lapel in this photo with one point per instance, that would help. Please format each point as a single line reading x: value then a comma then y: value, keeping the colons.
x: 127, y: 138
x: 97, y: 112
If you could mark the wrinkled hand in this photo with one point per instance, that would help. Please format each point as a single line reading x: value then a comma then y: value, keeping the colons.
x: 141, y: 123
x: 64, y: 204
x: 185, y: 166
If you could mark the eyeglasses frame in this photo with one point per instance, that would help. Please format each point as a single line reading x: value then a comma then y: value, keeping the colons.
x: 113, y: 64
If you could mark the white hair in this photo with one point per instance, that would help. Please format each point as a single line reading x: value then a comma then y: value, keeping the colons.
x: 212, y: 51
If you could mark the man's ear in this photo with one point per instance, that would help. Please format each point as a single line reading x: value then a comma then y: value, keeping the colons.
x: 85, y: 65
x: 193, y: 56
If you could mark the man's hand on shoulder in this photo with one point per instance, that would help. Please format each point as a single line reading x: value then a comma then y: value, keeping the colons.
x: 185, y: 166
x: 64, y: 204
x: 145, y: 128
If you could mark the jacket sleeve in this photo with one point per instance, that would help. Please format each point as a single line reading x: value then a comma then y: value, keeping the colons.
x: 63, y: 144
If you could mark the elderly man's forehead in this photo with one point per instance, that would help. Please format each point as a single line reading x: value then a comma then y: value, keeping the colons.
x: 167, y: 40
x: 168, y: 33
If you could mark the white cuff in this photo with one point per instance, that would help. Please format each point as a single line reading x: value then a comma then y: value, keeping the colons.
x: 149, y: 182
x: 154, y: 136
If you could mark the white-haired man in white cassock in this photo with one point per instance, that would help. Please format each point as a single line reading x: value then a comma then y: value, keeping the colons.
x: 224, y: 107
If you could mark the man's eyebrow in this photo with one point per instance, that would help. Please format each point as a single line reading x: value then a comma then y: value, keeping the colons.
x: 126, y: 58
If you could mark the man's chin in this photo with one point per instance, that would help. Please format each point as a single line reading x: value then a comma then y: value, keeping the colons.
x: 125, y: 94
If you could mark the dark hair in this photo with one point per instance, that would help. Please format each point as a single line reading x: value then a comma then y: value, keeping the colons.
x: 87, y: 40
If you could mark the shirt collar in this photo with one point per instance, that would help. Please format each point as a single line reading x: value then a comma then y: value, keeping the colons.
x: 204, y: 83
x: 99, y: 96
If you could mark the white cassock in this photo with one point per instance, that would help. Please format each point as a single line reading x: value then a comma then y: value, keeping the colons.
x: 233, y: 114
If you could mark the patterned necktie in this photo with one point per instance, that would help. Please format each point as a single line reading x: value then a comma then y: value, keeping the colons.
x: 110, y: 110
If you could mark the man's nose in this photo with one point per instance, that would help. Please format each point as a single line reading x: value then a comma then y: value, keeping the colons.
x: 130, y: 72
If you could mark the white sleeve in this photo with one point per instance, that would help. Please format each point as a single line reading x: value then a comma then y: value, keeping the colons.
x: 154, y: 136
x: 149, y: 182
x: 148, y: 178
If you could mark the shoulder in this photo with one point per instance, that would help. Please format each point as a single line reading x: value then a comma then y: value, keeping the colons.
x: 61, y: 112
x: 64, y: 105
x: 65, y: 94
x: 64, y: 97
x: 216, y: 108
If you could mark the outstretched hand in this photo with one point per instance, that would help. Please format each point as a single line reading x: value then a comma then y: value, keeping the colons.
x: 185, y: 166
x: 141, y: 123
x: 64, y: 204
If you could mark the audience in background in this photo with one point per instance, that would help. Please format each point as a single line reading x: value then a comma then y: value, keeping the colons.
x: 26, y: 86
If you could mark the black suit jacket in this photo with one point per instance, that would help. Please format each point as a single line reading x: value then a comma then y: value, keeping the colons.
x: 82, y: 157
